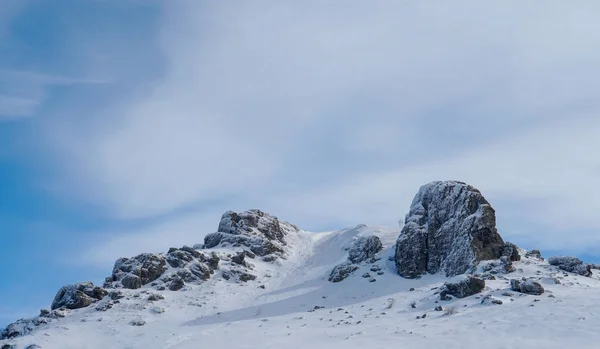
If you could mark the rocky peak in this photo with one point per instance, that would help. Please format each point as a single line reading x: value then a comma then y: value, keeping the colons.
x: 450, y: 228
x: 261, y: 232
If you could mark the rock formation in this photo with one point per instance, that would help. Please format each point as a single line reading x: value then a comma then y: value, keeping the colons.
x: 261, y: 232
x: 450, y: 228
x: 571, y: 264
x: 468, y: 286
x: 78, y: 296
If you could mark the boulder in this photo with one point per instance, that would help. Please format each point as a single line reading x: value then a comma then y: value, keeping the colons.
x: 527, y: 286
x: 491, y: 300
x: 511, y: 252
x: 450, y: 228
x: 342, y: 271
x: 77, y: 296
x: 364, y: 248
x: 571, y: 264
x: 261, y: 232
x: 465, y: 287
x: 534, y: 254
x: 133, y: 273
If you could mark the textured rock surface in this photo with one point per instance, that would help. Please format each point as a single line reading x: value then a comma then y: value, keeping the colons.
x: 364, y: 248
x: 468, y: 286
x: 526, y: 286
x: 342, y: 271
x: 450, y: 228
x: 140, y: 270
x: 77, y: 296
x: 261, y: 232
x: 24, y: 327
x: 571, y: 264
x: 534, y: 254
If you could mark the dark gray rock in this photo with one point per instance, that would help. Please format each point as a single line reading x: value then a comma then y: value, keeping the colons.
x: 32, y: 346
x: 571, y: 264
x: 491, y: 300
x: 176, y: 284
x: 450, y: 228
x: 140, y: 270
x: 342, y: 271
x: 466, y: 287
x: 511, y: 252
x: 245, y: 277
x: 364, y: 248
x: 137, y: 322
x: 534, y: 254
x: 261, y: 232
x: 114, y: 295
x: 155, y: 297
x: 9, y: 346
x: 77, y: 296
x: 527, y: 286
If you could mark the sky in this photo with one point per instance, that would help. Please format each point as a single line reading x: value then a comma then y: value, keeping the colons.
x: 130, y: 126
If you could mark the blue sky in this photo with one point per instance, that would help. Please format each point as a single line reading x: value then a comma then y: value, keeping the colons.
x: 130, y: 126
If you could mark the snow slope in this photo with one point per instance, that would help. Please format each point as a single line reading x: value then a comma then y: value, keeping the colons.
x: 292, y: 305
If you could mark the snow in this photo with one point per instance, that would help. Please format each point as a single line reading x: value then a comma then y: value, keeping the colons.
x: 299, y: 308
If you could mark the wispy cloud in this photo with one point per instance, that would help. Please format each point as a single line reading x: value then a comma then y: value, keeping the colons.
x: 22, y: 92
x: 340, y: 110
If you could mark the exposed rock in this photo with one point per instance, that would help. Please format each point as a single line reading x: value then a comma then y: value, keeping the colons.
x: 491, y: 300
x: 140, y: 270
x: 245, y: 277
x: 32, y: 346
x: 571, y: 264
x: 137, y: 322
x: 364, y: 248
x: 450, y: 228
x: 77, y: 296
x: 261, y: 232
x: 342, y: 271
x: 9, y: 346
x: 24, y: 327
x: 155, y: 297
x: 176, y: 284
x: 511, y: 251
x: 526, y: 286
x: 468, y: 286
x: 534, y: 254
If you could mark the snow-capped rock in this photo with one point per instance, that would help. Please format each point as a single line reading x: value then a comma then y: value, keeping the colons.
x: 364, y: 248
x: 133, y: 273
x: 78, y: 296
x: 450, y: 228
x: 527, y: 286
x: 571, y: 264
x: 261, y: 232
x: 465, y: 287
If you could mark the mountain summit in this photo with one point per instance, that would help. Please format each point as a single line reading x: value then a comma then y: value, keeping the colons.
x: 448, y: 279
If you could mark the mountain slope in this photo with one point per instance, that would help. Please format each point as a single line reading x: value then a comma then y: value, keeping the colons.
x: 356, y: 312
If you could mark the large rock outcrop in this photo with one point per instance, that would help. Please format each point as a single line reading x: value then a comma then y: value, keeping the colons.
x: 571, y: 264
x: 133, y: 273
x: 78, y: 296
x: 466, y: 287
x: 363, y: 249
x: 450, y: 228
x: 261, y: 232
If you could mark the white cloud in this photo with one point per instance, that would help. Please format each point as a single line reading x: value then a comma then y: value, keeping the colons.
x: 340, y: 110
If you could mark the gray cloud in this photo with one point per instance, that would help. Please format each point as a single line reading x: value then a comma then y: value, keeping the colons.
x: 340, y: 110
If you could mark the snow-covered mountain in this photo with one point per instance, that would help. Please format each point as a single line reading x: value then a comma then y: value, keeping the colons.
x: 259, y: 282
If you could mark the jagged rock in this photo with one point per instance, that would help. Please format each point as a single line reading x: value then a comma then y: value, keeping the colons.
x: 450, y: 228
x: 77, y: 296
x: 269, y: 258
x: 239, y: 258
x: 364, y: 248
x: 534, y: 254
x: 245, y: 277
x: 9, y: 346
x: 261, y: 232
x: 176, y: 284
x: 32, y: 346
x: 342, y: 271
x: 571, y: 264
x: 155, y: 297
x: 526, y: 286
x: 491, y: 300
x: 511, y: 251
x: 24, y: 327
x: 468, y: 286
x: 140, y: 270
x: 114, y: 295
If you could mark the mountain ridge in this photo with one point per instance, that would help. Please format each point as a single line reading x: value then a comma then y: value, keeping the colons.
x: 264, y: 271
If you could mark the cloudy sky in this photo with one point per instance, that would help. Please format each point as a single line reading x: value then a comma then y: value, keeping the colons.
x: 132, y: 125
